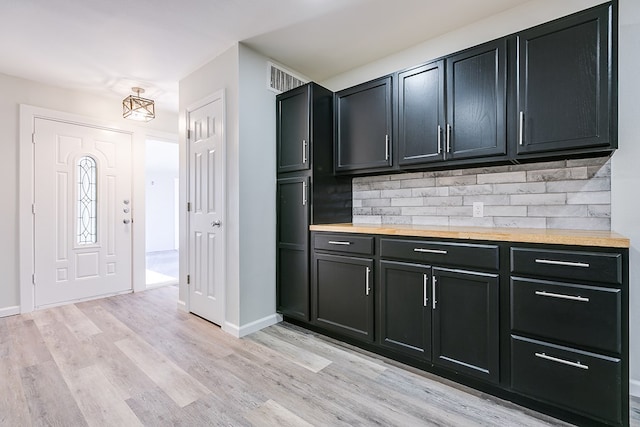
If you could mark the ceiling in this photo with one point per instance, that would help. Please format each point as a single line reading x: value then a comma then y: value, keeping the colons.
x: 106, y: 47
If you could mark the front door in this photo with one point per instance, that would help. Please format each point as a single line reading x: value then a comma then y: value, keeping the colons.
x: 82, y: 212
x: 207, y: 206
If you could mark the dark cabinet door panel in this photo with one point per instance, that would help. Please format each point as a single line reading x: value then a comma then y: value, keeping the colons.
x: 564, y: 98
x: 404, y: 307
x: 584, y: 382
x: 421, y: 114
x: 585, y: 316
x: 292, y: 264
x: 476, y: 102
x: 363, y: 115
x: 343, y: 296
x: 292, y: 128
x: 465, y: 322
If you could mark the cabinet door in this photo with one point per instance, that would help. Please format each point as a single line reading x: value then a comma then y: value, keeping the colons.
x: 343, y: 294
x: 564, y: 92
x: 476, y: 102
x: 292, y: 129
x: 465, y: 322
x: 293, y: 248
x: 421, y: 114
x: 405, y: 308
x: 363, y: 126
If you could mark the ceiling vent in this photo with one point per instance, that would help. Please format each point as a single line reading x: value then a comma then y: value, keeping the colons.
x: 279, y: 79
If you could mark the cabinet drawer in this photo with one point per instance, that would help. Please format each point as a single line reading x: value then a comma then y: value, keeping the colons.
x: 572, y: 265
x: 462, y: 254
x: 584, y: 382
x: 344, y: 243
x: 582, y: 315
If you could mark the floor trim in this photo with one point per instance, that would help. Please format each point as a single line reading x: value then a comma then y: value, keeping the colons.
x: 634, y: 388
x: 182, y: 306
x: 10, y: 311
x: 252, y: 327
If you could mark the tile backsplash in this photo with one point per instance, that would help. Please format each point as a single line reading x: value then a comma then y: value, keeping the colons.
x: 569, y: 194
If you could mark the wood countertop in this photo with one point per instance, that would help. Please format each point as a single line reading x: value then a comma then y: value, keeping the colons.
x: 516, y: 235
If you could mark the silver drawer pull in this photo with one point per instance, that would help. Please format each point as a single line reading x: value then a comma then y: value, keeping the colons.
x: 338, y: 242
x: 561, y: 296
x: 565, y: 263
x: 366, y: 284
x: 430, y: 251
x: 564, y: 362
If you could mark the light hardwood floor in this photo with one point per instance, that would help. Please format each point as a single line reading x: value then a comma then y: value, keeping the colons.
x: 135, y: 360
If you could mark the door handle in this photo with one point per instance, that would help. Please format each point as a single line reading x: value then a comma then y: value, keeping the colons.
x: 126, y: 221
x: 217, y: 223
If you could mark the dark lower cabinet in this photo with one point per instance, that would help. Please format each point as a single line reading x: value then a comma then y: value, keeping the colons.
x: 404, y: 308
x: 343, y: 295
x: 292, y: 284
x: 465, y: 322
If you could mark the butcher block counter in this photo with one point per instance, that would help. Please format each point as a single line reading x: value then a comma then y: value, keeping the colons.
x: 516, y: 235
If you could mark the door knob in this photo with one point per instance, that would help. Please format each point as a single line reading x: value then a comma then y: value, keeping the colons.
x: 126, y: 221
x: 217, y: 223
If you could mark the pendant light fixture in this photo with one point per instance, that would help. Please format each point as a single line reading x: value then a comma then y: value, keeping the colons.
x: 135, y: 107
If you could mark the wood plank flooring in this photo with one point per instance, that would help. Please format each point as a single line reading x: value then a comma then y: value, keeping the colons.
x: 133, y: 360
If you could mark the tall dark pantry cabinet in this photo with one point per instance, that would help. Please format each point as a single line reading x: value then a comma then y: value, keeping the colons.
x: 307, y: 191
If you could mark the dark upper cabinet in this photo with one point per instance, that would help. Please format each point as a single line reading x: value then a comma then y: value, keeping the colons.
x: 421, y: 114
x: 476, y: 102
x: 363, y: 127
x: 292, y: 129
x: 404, y: 307
x: 466, y: 305
x: 293, y: 248
x: 343, y: 295
x: 565, y: 91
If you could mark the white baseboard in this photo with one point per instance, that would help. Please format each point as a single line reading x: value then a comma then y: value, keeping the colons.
x: 182, y: 306
x: 634, y: 388
x: 9, y: 311
x: 252, y: 327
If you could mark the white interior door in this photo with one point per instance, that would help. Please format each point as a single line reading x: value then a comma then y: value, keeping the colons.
x: 206, y: 216
x: 82, y: 212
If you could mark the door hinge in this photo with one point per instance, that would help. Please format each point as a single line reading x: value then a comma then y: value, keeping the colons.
x: 33, y: 138
x: 188, y: 279
x: 33, y: 208
x: 188, y: 134
x: 188, y: 206
x: 33, y: 279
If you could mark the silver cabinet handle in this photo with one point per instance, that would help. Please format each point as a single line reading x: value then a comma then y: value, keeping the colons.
x: 433, y: 293
x: 439, y: 139
x: 425, y: 279
x: 448, y: 138
x: 304, y: 151
x: 430, y: 251
x: 217, y: 223
x: 561, y: 296
x: 564, y: 362
x: 521, y: 129
x: 126, y: 221
x: 367, y: 281
x: 386, y: 147
x: 565, y: 263
x: 339, y: 242
x: 304, y: 194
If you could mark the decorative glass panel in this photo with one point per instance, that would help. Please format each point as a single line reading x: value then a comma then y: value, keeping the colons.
x: 87, y: 201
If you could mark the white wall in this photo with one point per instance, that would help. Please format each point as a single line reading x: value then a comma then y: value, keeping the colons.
x: 625, y: 204
x: 625, y: 173
x: 161, y: 171
x: 257, y: 189
x: 16, y: 91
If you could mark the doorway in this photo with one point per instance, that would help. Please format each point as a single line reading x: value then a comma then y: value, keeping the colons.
x: 161, y: 219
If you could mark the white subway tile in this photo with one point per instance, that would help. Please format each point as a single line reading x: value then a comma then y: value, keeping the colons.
x: 430, y: 220
x: 419, y: 211
x: 557, y: 174
x: 357, y: 203
x: 376, y: 202
x: 470, y: 222
x: 396, y: 220
x: 538, y: 199
x: 600, y: 171
x: 357, y: 186
x: 556, y: 164
x: 465, y: 190
x: 430, y: 192
x: 452, y: 211
x: 407, y: 201
x: 589, y: 198
x: 456, y: 180
x: 367, y: 219
x: 519, y: 188
x: 386, y: 211
x: 385, y: 185
x: 405, y: 176
x: 599, y: 211
x: 418, y: 183
x: 375, y: 194
x: 443, y: 201
x: 519, y: 222
x: 580, y: 223
x: 361, y: 211
x: 594, y: 161
x: 504, y: 177
x: 396, y: 193
x: 496, y: 200
x: 595, y: 184
x: 516, y: 211
x: 577, y: 211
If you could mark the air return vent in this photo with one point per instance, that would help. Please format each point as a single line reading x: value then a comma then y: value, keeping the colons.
x: 279, y: 79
